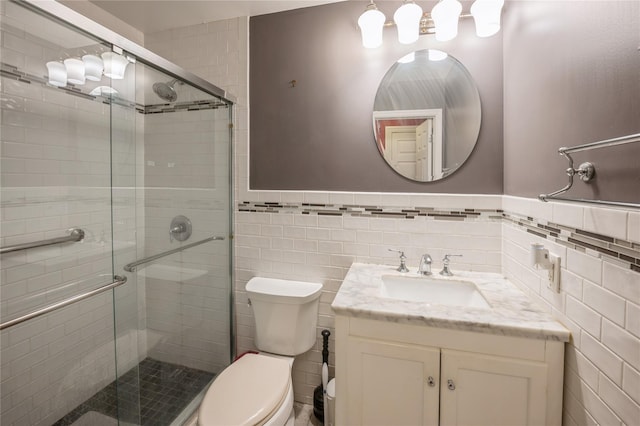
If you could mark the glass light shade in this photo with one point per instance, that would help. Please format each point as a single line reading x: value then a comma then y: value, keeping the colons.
x: 114, y: 65
x: 486, y: 14
x: 75, y: 70
x: 445, y: 16
x: 104, y: 91
x: 57, y: 74
x: 407, y: 19
x: 437, y: 55
x: 371, y: 23
x: 92, y: 67
x: 408, y: 58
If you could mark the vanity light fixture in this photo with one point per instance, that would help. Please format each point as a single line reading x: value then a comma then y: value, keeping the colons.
x: 442, y: 21
x: 371, y: 23
x: 92, y: 67
x: 105, y: 91
x: 75, y: 70
x: 114, y: 65
x: 437, y: 55
x: 408, y: 58
x: 486, y: 14
x: 407, y: 20
x: 446, y: 15
x: 57, y: 74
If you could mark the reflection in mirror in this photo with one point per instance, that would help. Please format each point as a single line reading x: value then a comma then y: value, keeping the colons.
x: 426, y: 116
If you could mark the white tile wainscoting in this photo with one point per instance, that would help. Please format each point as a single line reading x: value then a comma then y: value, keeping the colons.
x: 600, y: 289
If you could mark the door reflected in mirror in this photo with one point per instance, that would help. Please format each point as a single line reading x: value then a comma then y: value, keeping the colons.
x: 426, y: 116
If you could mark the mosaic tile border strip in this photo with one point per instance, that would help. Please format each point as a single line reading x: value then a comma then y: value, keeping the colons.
x: 180, y: 106
x: 12, y: 72
x: 371, y: 211
x: 622, y: 251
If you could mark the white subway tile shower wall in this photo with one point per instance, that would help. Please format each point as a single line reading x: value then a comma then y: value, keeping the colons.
x: 187, y: 310
x: 56, y: 175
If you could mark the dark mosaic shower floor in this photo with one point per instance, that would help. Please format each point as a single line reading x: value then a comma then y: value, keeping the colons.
x: 165, y: 390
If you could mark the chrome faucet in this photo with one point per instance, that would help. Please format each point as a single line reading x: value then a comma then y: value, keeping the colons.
x: 403, y: 258
x: 445, y: 264
x: 425, y: 265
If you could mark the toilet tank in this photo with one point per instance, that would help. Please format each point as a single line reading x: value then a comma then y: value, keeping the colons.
x: 285, y: 313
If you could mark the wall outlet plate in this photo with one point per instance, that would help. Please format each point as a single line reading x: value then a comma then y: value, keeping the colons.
x: 554, y: 273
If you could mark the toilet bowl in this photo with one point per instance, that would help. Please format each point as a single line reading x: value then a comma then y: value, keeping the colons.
x: 257, y: 388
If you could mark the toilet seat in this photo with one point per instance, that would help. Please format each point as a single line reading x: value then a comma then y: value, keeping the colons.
x: 248, y: 392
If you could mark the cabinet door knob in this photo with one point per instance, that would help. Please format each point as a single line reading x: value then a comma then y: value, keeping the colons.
x: 451, y: 385
x: 431, y: 381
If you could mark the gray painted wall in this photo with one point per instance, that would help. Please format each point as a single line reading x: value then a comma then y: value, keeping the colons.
x: 571, y: 76
x: 318, y: 135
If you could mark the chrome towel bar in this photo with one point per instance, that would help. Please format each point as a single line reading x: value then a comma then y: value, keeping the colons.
x: 75, y: 234
x: 587, y: 170
x: 131, y: 267
x: 118, y: 281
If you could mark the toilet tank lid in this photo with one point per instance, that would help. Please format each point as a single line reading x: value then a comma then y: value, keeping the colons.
x: 298, y: 291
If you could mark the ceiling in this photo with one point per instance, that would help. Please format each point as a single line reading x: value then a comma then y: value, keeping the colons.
x: 150, y: 16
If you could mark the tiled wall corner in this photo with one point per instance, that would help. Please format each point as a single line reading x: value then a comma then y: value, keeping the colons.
x: 599, y: 301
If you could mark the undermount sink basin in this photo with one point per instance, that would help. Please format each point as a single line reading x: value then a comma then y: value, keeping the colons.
x: 432, y: 290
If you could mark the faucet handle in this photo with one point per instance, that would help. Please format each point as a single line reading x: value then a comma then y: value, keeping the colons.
x: 403, y: 258
x: 445, y: 264
x: 446, y: 259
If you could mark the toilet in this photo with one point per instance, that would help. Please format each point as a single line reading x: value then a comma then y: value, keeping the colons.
x: 257, y: 389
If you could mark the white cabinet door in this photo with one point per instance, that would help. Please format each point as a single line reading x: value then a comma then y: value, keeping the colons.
x: 391, y: 384
x: 489, y: 390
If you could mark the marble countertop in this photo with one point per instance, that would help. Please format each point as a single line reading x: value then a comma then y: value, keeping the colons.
x: 512, y: 313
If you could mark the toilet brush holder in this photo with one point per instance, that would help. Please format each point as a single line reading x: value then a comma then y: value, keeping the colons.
x: 318, y: 392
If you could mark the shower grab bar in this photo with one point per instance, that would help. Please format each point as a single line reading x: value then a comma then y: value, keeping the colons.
x: 131, y: 267
x: 118, y: 281
x: 75, y: 235
x: 587, y: 170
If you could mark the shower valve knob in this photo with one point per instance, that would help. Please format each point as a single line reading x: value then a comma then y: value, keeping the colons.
x: 180, y: 228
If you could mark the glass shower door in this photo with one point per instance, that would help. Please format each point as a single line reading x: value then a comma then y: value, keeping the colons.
x: 184, y: 264
x: 59, y: 135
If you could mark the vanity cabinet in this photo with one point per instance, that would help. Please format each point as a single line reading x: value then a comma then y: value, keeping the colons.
x: 394, y: 384
x: 402, y: 374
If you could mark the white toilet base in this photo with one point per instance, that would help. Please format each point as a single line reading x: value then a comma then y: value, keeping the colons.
x: 285, y: 415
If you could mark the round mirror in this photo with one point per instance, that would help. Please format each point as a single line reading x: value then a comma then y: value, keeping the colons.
x: 426, y: 115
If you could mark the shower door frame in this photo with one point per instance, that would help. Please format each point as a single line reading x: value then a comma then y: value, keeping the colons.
x: 86, y: 25
x: 122, y: 45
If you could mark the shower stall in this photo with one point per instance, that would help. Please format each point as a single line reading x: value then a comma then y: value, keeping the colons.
x: 115, y: 186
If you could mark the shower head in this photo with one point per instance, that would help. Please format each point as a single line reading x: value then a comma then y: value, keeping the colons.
x: 166, y: 90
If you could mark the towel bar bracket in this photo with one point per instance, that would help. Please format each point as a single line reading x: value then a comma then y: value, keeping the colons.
x: 586, y: 171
